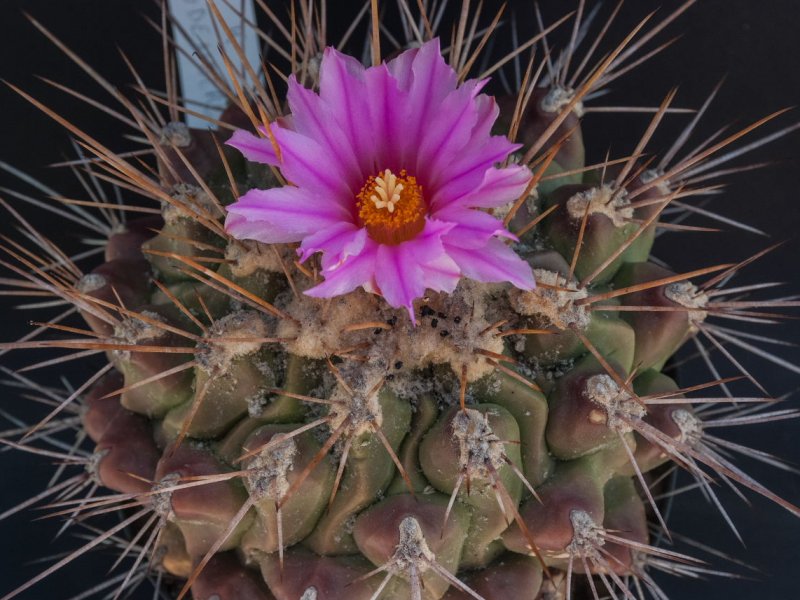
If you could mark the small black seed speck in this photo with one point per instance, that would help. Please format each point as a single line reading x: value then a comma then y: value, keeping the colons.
x: 389, y: 377
x: 398, y: 364
x: 427, y: 311
x: 434, y: 323
x: 444, y: 333
x: 377, y: 331
x: 441, y: 315
x: 457, y: 320
x: 391, y: 321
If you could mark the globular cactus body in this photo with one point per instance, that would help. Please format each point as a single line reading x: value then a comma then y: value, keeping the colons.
x: 492, y: 440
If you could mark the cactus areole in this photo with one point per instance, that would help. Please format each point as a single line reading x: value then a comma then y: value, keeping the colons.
x: 392, y: 337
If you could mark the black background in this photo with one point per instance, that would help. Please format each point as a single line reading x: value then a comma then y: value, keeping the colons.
x: 754, y: 43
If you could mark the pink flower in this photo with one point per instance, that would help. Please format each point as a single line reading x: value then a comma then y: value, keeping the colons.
x: 390, y: 170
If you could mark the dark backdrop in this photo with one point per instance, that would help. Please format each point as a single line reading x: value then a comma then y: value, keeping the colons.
x: 754, y: 43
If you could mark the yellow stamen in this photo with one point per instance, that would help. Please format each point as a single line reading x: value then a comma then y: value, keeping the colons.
x: 391, y: 207
x: 389, y: 191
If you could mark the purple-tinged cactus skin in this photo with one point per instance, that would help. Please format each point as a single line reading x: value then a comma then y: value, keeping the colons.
x: 382, y: 330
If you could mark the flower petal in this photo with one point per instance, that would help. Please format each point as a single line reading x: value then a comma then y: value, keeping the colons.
x: 401, y: 68
x: 405, y: 271
x: 446, y: 135
x: 254, y: 148
x: 357, y: 270
x: 284, y: 214
x: 440, y: 274
x: 495, y: 262
x: 432, y: 80
x: 498, y: 188
x: 341, y: 86
x: 409, y: 113
x: 315, y: 119
x: 386, y: 121
x: 399, y: 277
x: 473, y: 228
x: 309, y: 165
x: 439, y: 271
x: 467, y: 171
x: 337, y: 243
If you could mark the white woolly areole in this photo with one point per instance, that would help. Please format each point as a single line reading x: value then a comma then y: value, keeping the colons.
x: 229, y: 338
x: 309, y: 594
x: 412, y: 551
x: 587, y: 535
x: 554, y: 588
x: 662, y: 186
x: 161, y: 497
x: 93, y: 465
x: 133, y: 331
x: 604, y: 200
x: 326, y: 327
x: 319, y: 330
x: 175, y: 134
x: 551, y: 306
x: 480, y: 450
x: 689, y: 295
x: 557, y: 98
x: 361, y: 408
x: 190, y: 200
x: 91, y: 282
x: 690, y: 426
x: 248, y: 256
x: 268, y: 471
x: 619, y: 407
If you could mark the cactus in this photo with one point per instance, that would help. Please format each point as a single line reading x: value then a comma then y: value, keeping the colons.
x: 392, y: 337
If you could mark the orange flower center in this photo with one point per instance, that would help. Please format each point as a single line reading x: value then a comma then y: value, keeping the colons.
x: 391, y: 207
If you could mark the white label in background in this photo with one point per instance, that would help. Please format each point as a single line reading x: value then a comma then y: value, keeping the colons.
x: 197, y: 21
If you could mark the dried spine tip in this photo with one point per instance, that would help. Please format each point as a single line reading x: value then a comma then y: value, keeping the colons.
x: 604, y: 200
x: 619, y: 408
x: 480, y: 450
